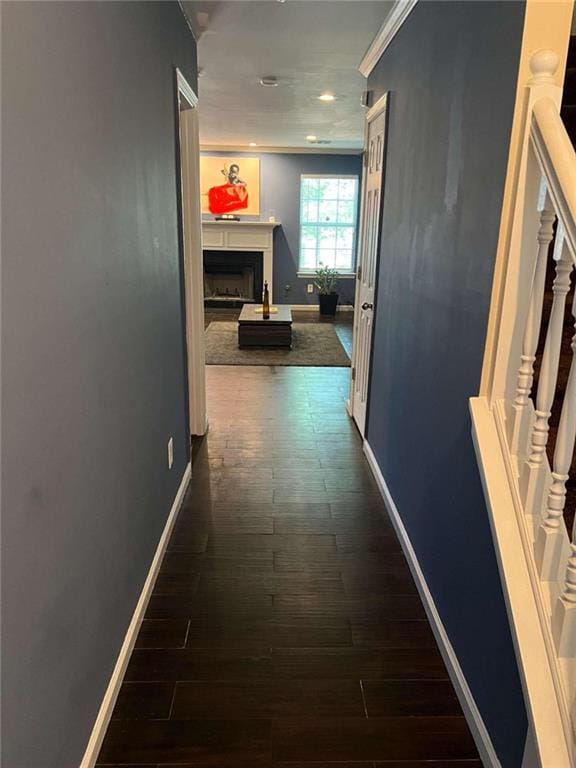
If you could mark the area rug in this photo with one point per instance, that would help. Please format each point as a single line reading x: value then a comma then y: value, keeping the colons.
x: 313, y: 344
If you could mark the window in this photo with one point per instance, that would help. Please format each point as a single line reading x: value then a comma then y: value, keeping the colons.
x: 328, y: 213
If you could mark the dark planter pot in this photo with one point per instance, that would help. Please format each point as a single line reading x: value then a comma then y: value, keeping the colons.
x: 328, y: 303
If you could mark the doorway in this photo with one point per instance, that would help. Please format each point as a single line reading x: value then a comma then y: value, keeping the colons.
x: 367, y: 269
x: 191, y: 244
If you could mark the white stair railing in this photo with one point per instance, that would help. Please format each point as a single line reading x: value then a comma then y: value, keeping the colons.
x: 543, y: 489
x: 535, y: 497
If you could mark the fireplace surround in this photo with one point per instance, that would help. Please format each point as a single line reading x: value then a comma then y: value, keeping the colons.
x: 240, y: 237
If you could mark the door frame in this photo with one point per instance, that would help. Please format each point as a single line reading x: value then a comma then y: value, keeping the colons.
x: 190, y: 230
x: 379, y: 106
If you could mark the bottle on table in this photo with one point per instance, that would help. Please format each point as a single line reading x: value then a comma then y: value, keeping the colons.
x: 266, y: 302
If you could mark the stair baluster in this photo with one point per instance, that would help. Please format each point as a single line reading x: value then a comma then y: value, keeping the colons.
x: 564, y: 617
x: 520, y: 438
x: 533, y: 473
x: 548, y: 541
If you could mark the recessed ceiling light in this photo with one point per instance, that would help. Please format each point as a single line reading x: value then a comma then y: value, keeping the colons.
x: 311, y: 138
x: 327, y: 97
x: 269, y: 82
x: 252, y: 144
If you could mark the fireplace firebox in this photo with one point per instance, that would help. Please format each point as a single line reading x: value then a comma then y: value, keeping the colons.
x: 232, y: 278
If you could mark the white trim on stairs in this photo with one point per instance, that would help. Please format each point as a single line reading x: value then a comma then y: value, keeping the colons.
x: 546, y: 706
x: 109, y: 700
x: 478, y: 729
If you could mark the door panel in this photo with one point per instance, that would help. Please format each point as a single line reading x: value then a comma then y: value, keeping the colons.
x: 367, y: 265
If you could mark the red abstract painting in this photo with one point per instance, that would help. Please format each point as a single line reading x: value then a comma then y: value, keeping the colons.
x: 228, y: 198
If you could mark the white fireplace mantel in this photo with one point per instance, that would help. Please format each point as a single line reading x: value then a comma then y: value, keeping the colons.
x: 243, y: 236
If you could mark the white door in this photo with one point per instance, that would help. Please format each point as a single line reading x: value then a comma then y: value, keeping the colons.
x: 193, y: 262
x: 369, y: 243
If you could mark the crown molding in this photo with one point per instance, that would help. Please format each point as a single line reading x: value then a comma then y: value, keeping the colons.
x: 186, y: 90
x: 195, y: 33
x: 397, y: 16
x: 244, y: 150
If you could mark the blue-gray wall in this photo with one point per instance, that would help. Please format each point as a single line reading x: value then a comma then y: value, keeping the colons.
x: 280, y: 196
x: 92, y: 357
x: 451, y: 72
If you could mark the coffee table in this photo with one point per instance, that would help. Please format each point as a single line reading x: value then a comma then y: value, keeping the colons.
x: 274, y: 331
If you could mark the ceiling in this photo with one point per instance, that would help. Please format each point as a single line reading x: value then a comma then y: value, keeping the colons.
x: 310, y: 46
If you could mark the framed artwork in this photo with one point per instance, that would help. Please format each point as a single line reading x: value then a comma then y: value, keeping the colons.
x: 230, y: 185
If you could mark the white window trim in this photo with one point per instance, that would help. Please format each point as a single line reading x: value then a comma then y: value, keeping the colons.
x: 329, y: 176
x: 341, y: 275
x: 345, y: 274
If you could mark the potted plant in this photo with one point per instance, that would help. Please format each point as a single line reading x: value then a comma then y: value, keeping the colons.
x: 326, y: 282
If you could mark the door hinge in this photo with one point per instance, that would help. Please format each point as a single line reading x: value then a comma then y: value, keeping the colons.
x: 359, y: 272
x: 353, y: 374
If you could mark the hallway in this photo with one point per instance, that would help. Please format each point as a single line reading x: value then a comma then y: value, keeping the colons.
x: 285, y: 629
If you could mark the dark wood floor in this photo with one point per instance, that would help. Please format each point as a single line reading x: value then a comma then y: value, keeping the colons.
x: 285, y: 630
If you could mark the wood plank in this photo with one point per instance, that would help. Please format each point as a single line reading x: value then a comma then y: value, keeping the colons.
x: 180, y: 740
x: 357, y: 664
x: 144, y: 701
x: 396, y: 738
x: 267, y: 699
x: 162, y: 634
x: 269, y: 584
x: 198, y: 664
x: 410, y: 697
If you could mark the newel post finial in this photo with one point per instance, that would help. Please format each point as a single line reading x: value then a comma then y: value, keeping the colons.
x: 543, y: 65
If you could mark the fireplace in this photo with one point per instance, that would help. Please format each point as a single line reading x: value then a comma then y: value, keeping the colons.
x: 232, y: 278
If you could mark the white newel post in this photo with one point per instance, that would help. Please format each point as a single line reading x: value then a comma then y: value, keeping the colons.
x: 519, y: 438
x: 549, y: 541
x: 527, y: 227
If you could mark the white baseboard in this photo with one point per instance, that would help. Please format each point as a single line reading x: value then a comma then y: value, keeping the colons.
x: 314, y: 307
x: 109, y: 700
x: 478, y: 729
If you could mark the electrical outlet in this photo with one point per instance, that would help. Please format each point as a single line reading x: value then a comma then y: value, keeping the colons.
x: 170, y: 453
x: 310, y: 287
